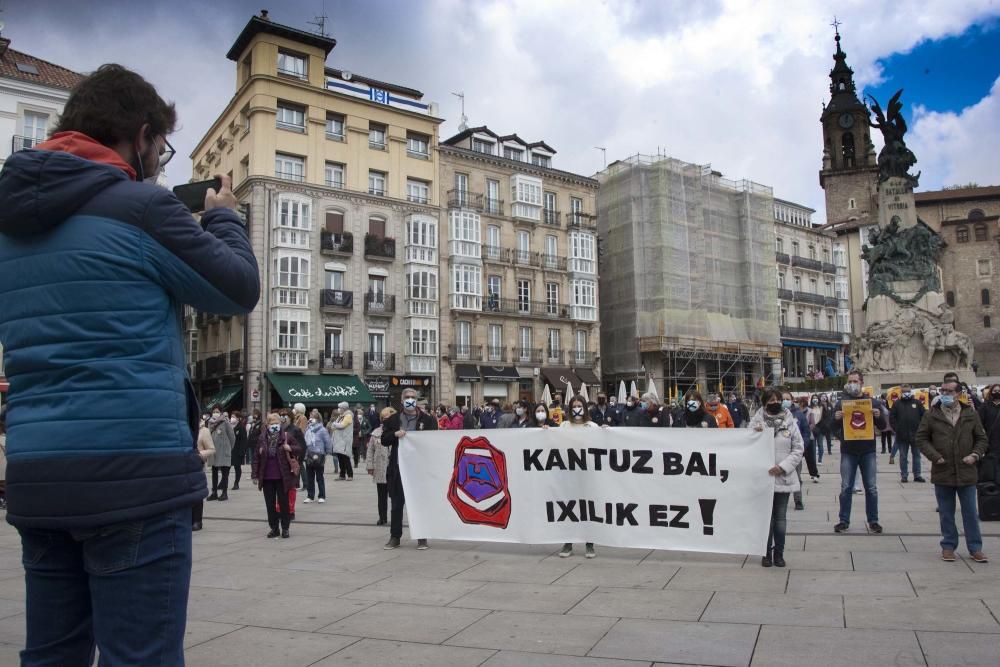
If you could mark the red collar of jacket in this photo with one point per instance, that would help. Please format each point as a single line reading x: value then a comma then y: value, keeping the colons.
x: 82, y: 146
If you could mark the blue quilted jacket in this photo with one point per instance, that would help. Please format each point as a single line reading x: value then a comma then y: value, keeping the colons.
x: 94, y: 270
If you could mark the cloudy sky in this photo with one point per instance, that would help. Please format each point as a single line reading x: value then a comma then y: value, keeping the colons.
x: 738, y: 84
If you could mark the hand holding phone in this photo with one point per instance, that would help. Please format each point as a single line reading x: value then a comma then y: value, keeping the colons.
x: 222, y: 196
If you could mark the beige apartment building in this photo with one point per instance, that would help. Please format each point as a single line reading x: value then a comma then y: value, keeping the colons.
x: 337, y: 176
x: 519, y: 254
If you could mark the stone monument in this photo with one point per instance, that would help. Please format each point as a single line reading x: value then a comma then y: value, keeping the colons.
x: 910, y: 330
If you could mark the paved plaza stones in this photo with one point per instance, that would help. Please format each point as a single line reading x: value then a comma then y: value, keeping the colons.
x: 331, y: 595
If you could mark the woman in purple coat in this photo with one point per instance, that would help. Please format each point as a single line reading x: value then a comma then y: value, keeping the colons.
x: 272, y: 470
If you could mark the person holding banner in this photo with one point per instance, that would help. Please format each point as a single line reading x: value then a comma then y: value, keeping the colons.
x: 578, y: 417
x: 394, y: 428
x: 856, y: 421
x: 522, y: 416
x: 788, y: 450
x: 542, y: 418
x: 692, y: 414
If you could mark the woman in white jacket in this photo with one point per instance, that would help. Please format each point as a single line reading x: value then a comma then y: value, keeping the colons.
x: 788, y: 449
x: 342, y: 431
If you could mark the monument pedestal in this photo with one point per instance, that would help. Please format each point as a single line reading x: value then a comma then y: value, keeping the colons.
x: 895, y: 200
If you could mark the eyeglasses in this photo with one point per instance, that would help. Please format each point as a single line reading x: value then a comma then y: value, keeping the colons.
x: 167, y: 154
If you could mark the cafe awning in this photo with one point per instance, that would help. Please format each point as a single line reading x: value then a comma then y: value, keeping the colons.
x: 587, y: 375
x: 320, y: 389
x: 467, y: 373
x: 499, y: 374
x: 223, y: 397
x: 558, y: 377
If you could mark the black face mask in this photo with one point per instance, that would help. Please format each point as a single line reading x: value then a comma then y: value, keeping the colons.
x: 773, y: 408
x: 996, y: 395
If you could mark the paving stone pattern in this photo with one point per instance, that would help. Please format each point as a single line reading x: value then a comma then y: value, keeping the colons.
x: 330, y: 595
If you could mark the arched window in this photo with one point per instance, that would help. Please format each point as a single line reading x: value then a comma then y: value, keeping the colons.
x: 985, y: 297
x: 949, y: 298
x: 962, y: 234
x: 980, y: 231
x: 986, y: 322
x: 976, y: 214
x: 841, y: 84
x: 847, y: 149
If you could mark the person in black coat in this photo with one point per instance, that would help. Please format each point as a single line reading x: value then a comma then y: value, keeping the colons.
x: 989, y: 415
x: 409, y: 418
x: 239, y: 446
x: 692, y: 413
x: 634, y: 413
x: 905, y: 417
x: 602, y: 413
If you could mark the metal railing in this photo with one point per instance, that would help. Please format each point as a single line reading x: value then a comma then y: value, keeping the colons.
x: 336, y: 243
x: 290, y: 176
x: 531, y: 355
x: 380, y: 304
x: 829, y: 268
x: 782, y: 258
x: 554, y: 357
x: 581, y: 358
x: 496, y: 353
x: 465, y: 199
x: 807, y: 263
x: 810, y: 334
x: 809, y: 297
x: 551, y: 217
x: 380, y: 362
x: 19, y: 143
x: 336, y: 361
x: 583, y: 220
x: 785, y: 294
x: 380, y: 246
x: 553, y: 262
x: 524, y: 308
x: 831, y: 301
x: 465, y: 352
x: 494, y: 253
x: 492, y: 206
x: 526, y: 258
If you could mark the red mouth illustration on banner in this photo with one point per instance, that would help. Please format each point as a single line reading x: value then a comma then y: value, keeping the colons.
x: 478, y: 489
x: 857, y: 420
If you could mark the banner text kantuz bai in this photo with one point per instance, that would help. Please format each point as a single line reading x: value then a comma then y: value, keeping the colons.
x: 636, y: 461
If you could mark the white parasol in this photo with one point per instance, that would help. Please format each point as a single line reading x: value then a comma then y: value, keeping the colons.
x: 546, y: 396
x: 583, y: 392
x: 621, y: 392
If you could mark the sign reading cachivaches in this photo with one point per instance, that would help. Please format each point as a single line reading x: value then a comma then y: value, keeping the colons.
x: 689, y: 490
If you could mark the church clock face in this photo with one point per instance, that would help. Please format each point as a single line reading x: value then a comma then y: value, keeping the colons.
x: 846, y: 121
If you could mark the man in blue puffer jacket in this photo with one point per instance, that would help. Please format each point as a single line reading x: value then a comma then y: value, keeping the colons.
x: 102, y: 466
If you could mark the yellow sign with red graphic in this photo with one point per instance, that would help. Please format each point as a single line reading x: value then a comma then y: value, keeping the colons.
x: 858, y: 421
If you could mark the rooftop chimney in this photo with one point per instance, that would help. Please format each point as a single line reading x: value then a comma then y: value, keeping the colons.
x: 4, y: 43
x: 263, y: 15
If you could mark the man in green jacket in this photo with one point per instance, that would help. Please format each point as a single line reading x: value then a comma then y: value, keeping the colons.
x: 952, y: 437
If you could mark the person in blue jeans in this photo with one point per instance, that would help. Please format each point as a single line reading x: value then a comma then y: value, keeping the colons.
x: 96, y: 267
x: 855, y: 454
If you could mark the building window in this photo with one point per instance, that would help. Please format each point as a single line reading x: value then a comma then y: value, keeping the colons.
x: 783, y: 317
x: 816, y: 321
x: 480, y: 146
x: 493, y: 197
x: 376, y: 345
x: 554, y: 346
x: 984, y: 297
x: 813, y: 286
x: 333, y: 341
x: 524, y: 338
x: 334, y: 126
x: 494, y: 343
x: 422, y: 285
x: 513, y: 154
x: 779, y: 244
x: 800, y: 319
x: 552, y: 298
x: 494, y: 290
x: 828, y: 289
x: 376, y: 289
x: 335, y: 222
x: 976, y: 214
x: 291, y: 64
x: 291, y: 117
x: 524, y: 296
x: 418, y: 191
x: 851, y: 204
x: 467, y: 292
x: 584, y: 306
x: 812, y: 252
x: 245, y: 119
x: 421, y: 239
x: 376, y: 136
x: 526, y: 197
x: 582, y: 255
x: 291, y: 332
x: 797, y: 283
x: 293, y: 223
x: 795, y: 248
x: 541, y: 160
x: 291, y: 271
x: 581, y: 343
x: 840, y: 288
x: 244, y: 168
x: 575, y: 208
x: 376, y: 226
x: 840, y: 256
x: 987, y: 323
x: 334, y: 175
x: 980, y: 231
x: 983, y: 267
x: 423, y: 342
x: 418, y: 145
x: 844, y: 321
x: 962, y: 234
x: 781, y: 281
x: 35, y: 128
x: 465, y: 233
x: 463, y: 337
x: 289, y: 167
x: 826, y: 255
x: 949, y: 298
x: 376, y: 182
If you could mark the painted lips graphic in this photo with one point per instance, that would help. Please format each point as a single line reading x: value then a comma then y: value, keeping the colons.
x: 478, y: 489
x: 857, y: 419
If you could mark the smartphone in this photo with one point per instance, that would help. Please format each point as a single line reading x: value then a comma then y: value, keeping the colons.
x: 192, y: 195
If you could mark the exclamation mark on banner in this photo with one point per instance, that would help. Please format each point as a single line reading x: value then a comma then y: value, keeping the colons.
x: 707, y: 512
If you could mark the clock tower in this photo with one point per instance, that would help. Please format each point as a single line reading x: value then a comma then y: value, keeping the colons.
x: 849, y: 175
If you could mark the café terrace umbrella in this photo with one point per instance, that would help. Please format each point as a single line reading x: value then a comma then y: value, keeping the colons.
x: 621, y: 392
x: 546, y: 396
x: 583, y: 392
x: 634, y: 390
x: 569, y: 393
x: 651, y: 384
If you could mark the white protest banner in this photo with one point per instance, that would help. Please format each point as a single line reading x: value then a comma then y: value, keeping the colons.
x: 659, y: 488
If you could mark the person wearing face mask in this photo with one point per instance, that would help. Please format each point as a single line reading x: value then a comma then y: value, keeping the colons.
x: 634, y: 413
x: 542, y: 419
x: 318, y: 445
x: 714, y: 407
x: 469, y: 420
x: 953, y: 438
x: 788, y: 451
x: 654, y: 415
x: 825, y: 430
x: 410, y: 418
x: 441, y: 414
x: 692, y: 412
x: 343, y: 440
x: 989, y: 415
x: 855, y: 455
x: 239, y: 446
x: 507, y: 418
x: 377, y: 464
x: 737, y: 411
x: 522, y: 415
x: 274, y: 469
x: 578, y: 416
x: 617, y: 411
x: 601, y: 412
x: 205, y: 450
x: 455, y: 419
x: 490, y: 416
x: 254, y: 427
x: 802, y: 421
x: 224, y: 438
x: 906, y: 414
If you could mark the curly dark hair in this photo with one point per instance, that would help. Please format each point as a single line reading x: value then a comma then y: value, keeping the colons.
x: 111, y: 105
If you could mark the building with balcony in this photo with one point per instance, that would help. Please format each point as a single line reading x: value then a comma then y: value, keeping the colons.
x: 337, y: 175
x: 32, y: 95
x: 814, y: 312
x: 519, y: 254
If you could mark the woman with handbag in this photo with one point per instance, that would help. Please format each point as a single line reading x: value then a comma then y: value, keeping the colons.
x: 377, y: 464
x: 276, y: 470
x: 318, y: 445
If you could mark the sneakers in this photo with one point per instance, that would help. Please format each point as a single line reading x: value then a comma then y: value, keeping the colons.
x: 589, y: 552
x: 920, y: 479
x: 892, y: 460
x: 284, y: 534
x: 815, y: 479
x: 321, y: 501
x: 840, y: 527
x: 274, y: 533
x: 393, y: 543
x: 948, y: 555
x: 875, y: 528
x: 766, y: 561
x: 422, y: 545
x: 979, y: 556
x: 307, y: 501
x: 566, y: 551
x: 778, y: 558
x: 799, y: 505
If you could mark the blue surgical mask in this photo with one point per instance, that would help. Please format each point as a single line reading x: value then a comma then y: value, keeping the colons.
x: 947, y: 399
x: 786, y: 404
x: 643, y: 405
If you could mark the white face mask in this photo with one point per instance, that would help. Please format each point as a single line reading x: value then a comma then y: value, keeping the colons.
x: 519, y: 412
x: 216, y: 415
x: 234, y: 421
x: 578, y: 412
x: 409, y: 403
x: 312, y: 421
x: 540, y: 416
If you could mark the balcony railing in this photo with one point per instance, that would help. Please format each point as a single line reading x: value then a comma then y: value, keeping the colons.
x: 19, y: 143
x: 831, y: 301
x: 810, y: 334
x: 336, y: 361
x: 554, y: 357
x: 809, y: 297
x: 524, y: 308
x: 465, y: 352
x: 553, y: 262
x: 494, y: 253
x: 235, y: 364
x: 496, y: 353
x: 380, y: 362
x: 337, y: 244
x: 290, y: 176
x: 581, y: 358
x: 782, y: 258
x: 465, y: 199
x: 380, y: 304
x: 492, y: 206
x: 215, y: 366
x: 583, y: 220
x: 829, y: 268
x: 785, y: 294
x: 807, y: 263
x: 337, y: 299
x: 379, y: 247
x: 527, y: 258
x: 551, y: 217
x: 528, y: 355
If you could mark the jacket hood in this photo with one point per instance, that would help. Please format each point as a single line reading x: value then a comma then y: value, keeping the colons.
x: 42, y: 187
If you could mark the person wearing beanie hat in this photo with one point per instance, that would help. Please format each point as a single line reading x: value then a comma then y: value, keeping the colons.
x: 343, y: 439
